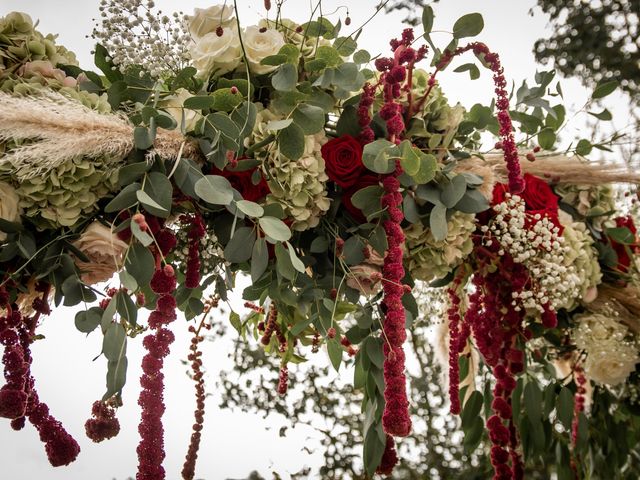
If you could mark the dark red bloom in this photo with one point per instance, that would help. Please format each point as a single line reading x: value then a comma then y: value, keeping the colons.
x: 343, y: 160
x: 622, y: 250
x: 104, y: 425
x: 13, y: 403
x: 389, y: 458
x: 163, y: 281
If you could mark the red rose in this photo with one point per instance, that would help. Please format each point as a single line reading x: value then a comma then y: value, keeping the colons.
x: 538, y: 198
x: 343, y: 160
x: 363, y: 181
x: 241, y: 181
x: 622, y: 251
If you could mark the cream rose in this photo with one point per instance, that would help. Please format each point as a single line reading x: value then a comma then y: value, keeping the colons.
x: 259, y: 44
x: 9, y: 205
x: 216, y: 55
x: 104, y: 250
x: 610, y: 367
x: 207, y: 20
x: 173, y: 106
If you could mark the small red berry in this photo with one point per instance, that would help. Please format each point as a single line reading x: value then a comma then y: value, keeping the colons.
x: 331, y: 333
x: 219, y: 31
x: 536, y: 149
x: 531, y: 157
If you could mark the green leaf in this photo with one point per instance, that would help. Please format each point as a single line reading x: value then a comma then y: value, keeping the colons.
x: 604, y: 89
x: 335, y: 353
x: 127, y: 198
x: 114, y: 344
x: 471, y: 409
x: 353, y: 250
x: 158, y: 187
x: 142, y: 138
x: 275, y: 229
x: 604, y: 115
x: 275, y: 125
x: 361, y: 56
x: 533, y: 401
x: 126, y: 308
x: 143, y: 237
x: 453, y: 191
x: 199, y: 102
x: 140, y: 264
x: 373, y: 350
x: 259, y: 259
x: 151, y: 205
x: 427, y: 19
x: 127, y: 280
x: 345, y: 46
x: 309, y: 118
x: 106, y: 66
x: 291, y: 142
x: 286, y: 78
x: 438, y: 222
x: 251, y: 209
x: 472, y: 202
x: 239, y: 249
x: 621, y: 235
x: 87, y: 321
x: 116, y: 377
x: 214, y: 189
x: 186, y: 174
x: 224, y: 100
x: 132, y: 172
x: 546, y: 138
x: 473, y: 435
x: 295, y: 261
x: 410, y: 159
x: 584, y: 147
x: 375, y: 156
x: 474, y: 71
x: 427, y: 171
x: 319, y: 245
x: 468, y: 25
x: 329, y: 55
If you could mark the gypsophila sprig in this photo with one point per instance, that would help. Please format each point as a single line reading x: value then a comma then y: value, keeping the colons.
x: 535, y: 241
x: 134, y: 32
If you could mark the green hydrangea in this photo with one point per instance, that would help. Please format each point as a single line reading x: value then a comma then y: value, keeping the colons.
x: 21, y: 43
x: 299, y: 186
x: 582, y: 254
x: 67, y: 193
x: 594, y: 202
x: 437, y: 122
x: 430, y: 259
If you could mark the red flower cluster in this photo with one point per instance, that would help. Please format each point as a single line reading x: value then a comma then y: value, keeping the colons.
x: 457, y: 341
x: 537, y: 195
x: 343, y: 160
x: 151, y: 447
x: 395, y: 418
x: 623, y: 251
x: 508, y: 143
x: 195, y: 235
x: 104, y: 425
x: 18, y: 397
x: 189, y: 467
x: 389, y: 458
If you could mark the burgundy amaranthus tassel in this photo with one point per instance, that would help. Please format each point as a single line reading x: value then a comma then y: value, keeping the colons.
x: 395, y: 418
x: 457, y: 341
x: 270, y: 325
x: 283, y: 381
x: 389, y: 458
x: 151, y: 447
x: 104, y: 425
x: 189, y: 467
x: 195, y: 235
x: 18, y: 398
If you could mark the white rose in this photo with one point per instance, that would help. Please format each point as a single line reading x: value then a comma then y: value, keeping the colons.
x: 216, y: 55
x: 259, y: 44
x: 207, y: 20
x: 9, y: 205
x: 609, y: 367
x: 173, y: 105
x: 104, y: 250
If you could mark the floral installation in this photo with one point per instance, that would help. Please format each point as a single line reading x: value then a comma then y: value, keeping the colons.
x: 349, y: 190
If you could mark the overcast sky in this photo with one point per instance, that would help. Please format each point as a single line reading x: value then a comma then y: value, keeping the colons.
x: 233, y: 444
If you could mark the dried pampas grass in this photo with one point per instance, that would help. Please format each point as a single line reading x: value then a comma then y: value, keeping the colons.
x: 59, y: 128
x: 562, y: 169
x: 625, y: 301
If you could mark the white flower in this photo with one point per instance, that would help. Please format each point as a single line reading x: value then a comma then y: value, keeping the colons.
x: 609, y: 367
x: 104, y: 250
x: 9, y: 205
x: 173, y: 105
x: 207, y: 20
x: 260, y: 43
x: 216, y: 55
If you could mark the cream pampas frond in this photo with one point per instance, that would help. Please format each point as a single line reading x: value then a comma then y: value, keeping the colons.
x: 562, y: 169
x: 59, y: 129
